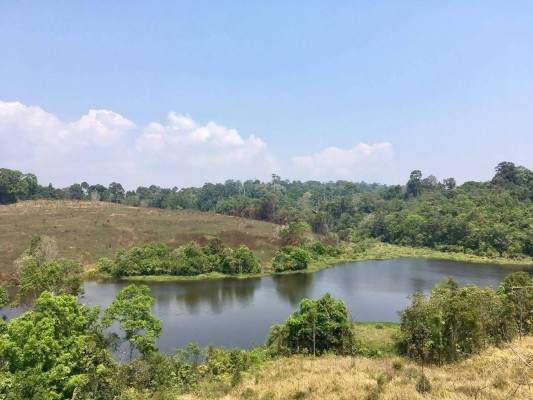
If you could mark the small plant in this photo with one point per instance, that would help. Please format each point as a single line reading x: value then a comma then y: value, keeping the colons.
x: 499, y: 382
x: 299, y: 395
x: 236, y: 378
x: 374, y: 394
x: 397, y: 365
x: 268, y: 396
x: 423, y: 385
x: 248, y: 394
x: 382, y: 379
x: 412, y: 373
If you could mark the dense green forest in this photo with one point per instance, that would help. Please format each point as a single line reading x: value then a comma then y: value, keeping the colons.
x: 492, y: 218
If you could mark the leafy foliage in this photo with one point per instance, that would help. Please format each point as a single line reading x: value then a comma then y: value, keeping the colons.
x: 192, y: 259
x: 485, y: 218
x: 319, y: 326
x: 291, y: 259
x: 454, y: 323
x: 293, y: 233
x: 38, y: 271
x: 52, y: 351
x: 132, y: 310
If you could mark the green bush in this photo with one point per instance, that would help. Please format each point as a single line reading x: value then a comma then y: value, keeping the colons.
x: 291, y: 259
x: 319, y: 326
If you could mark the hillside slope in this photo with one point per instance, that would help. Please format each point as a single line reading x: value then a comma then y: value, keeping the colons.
x: 87, y: 231
x: 496, y: 373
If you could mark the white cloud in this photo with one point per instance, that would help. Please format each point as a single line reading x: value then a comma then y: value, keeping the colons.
x: 100, y: 127
x: 362, y: 162
x: 198, y: 145
x: 103, y: 146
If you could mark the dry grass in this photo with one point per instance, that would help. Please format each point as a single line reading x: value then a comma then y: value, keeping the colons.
x: 87, y: 231
x: 494, y: 374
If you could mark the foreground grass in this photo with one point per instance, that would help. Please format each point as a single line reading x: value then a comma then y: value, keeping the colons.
x: 377, y: 339
x: 87, y: 231
x: 495, y: 374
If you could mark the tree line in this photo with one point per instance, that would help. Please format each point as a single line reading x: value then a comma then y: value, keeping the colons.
x: 493, y: 218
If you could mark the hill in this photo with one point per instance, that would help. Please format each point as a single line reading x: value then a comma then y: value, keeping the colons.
x: 86, y: 231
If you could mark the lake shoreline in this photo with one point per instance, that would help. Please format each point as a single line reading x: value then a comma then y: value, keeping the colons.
x: 378, y: 251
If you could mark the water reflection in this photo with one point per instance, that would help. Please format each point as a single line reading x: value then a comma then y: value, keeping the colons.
x: 213, y: 296
x: 293, y: 288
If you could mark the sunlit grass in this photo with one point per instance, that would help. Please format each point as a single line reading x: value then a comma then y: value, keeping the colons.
x: 497, y: 373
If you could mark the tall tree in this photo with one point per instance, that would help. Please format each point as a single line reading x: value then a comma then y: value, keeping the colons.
x: 132, y: 310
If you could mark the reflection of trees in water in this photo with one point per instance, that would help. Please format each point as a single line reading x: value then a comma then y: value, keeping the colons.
x: 216, y: 295
x: 293, y: 287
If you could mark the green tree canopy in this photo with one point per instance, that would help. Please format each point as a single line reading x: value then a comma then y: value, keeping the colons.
x: 132, y: 310
x: 51, y: 351
x: 319, y: 326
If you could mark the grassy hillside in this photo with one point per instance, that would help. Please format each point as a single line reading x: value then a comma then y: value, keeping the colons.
x: 497, y: 373
x: 86, y: 231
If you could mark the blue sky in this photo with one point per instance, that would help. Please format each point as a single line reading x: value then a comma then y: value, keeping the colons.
x: 182, y: 92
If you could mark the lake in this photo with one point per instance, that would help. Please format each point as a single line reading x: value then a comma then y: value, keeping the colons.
x: 239, y: 312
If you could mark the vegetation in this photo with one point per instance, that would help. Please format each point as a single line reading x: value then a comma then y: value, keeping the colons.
x: 132, y: 310
x: 62, y: 350
x: 485, y: 218
x: 319, y: 326
x: 52, y: 351
x: 496, y: 373
x: 454, y: 323
x: 291, y: 259
x: 88, y: 231
x: 190, y: 260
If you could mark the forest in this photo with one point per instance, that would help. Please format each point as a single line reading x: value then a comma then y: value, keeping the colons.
x: 493, y: 218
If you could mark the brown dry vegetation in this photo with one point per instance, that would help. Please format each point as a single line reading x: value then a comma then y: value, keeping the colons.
x: 87, y: 231
x: 495, y: 374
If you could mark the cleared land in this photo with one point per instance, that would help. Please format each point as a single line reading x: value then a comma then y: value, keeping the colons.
x: 87, y: 231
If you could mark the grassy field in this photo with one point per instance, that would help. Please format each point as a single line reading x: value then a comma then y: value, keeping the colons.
x: 87, y: 231
x: 497, y: 373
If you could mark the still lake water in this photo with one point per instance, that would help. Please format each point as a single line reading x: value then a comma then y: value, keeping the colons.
x: 239, y: 312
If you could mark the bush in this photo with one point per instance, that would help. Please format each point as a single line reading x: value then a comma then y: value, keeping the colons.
x: 319, y: 326
x: 291, y: 259
x: 241, y: 261
x: 423, y: 385
x: 454, y: 323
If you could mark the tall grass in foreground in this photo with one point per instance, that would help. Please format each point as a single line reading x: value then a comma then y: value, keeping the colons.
x: 496, y: 373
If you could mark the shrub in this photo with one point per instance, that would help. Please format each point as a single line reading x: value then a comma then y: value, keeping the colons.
x: 423, y: 385
x: 291, y: 259
x: 319, y: 326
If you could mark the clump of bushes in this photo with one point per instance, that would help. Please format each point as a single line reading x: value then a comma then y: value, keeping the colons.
x: 291, y: 258
x: 454, y: 323
x: 192, y: 259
